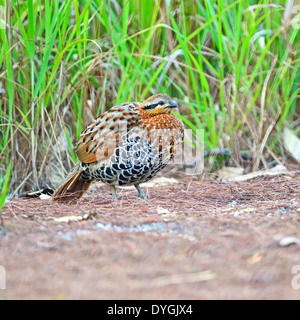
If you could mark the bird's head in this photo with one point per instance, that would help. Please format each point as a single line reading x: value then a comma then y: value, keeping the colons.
x: 158, y: 104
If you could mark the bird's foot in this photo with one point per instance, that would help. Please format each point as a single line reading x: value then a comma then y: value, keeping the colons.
x: 141, y: 192
x: 114, y: 192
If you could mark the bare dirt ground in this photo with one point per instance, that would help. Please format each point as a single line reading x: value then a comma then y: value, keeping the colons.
x: 190, y: 240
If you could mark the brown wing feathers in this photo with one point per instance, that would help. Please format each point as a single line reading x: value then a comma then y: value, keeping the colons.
x: 96, y: 143
x: 99, y: 140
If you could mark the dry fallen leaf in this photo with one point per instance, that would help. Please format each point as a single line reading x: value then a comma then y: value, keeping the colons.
x: 44, y: 197
x: 276, y: 171
x: 229, y: 173
x: 161, y: 181
x: 162, y: 210
x: 86, y: 216
x: 166, y: 214
x: 285, y: 241
x: 291, y: 143
x: 255, y: 258
x: 183, y: 278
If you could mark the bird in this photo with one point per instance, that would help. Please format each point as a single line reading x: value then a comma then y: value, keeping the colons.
x: 126, y: 145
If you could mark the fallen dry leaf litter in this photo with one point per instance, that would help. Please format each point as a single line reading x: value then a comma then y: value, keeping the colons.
x: 190, y: 240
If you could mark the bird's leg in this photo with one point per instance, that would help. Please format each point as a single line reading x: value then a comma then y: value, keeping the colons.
x: 113, y: 192
x: 140, y: 191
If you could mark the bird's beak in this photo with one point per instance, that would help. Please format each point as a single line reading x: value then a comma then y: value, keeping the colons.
x: 172, y: 104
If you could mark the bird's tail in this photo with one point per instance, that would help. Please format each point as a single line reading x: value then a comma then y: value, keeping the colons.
x: 71, y: 189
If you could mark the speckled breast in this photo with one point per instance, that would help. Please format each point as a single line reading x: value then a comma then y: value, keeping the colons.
x: 134, y: 161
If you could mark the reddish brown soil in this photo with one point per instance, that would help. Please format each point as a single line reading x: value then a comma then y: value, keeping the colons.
x: 199, y: 240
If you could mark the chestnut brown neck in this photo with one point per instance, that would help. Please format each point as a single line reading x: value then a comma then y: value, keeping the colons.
x: 162, y: 121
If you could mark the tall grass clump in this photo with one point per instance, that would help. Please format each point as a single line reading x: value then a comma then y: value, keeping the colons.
x: 232, y: 65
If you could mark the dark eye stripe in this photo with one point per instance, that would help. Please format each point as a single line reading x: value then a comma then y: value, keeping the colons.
x: 151, y: 106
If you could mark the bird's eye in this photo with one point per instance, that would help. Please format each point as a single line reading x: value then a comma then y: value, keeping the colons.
x: 161, y: 103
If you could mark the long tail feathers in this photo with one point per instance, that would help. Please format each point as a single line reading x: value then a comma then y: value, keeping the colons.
x: 71, y: 189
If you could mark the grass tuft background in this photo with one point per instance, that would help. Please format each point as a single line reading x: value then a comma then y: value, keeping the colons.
x: 232, y: 65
